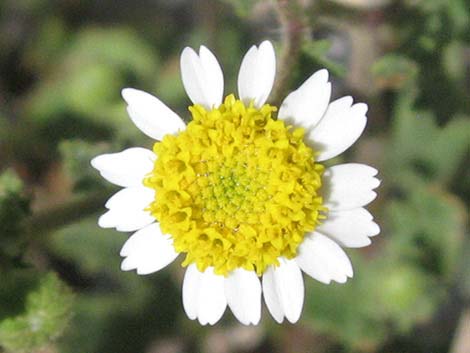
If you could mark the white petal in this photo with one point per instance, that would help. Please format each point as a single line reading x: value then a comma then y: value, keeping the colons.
x: 125, y: 222
x: 339, y: 128
x: 323, y: 259
x: 270, y: 296
x: 243, y: 292
x: 256, y: 75
x: 127, y: 209
x: 131, y: 198
x: 191, y: 282
x: 148, y: 250
x: 202, y: 77
x: 150, y: 115
x: 348, y: 186
x: 203, y: 295
x: 350, y: 228
x: 305, y: 106
x: 283, y: 288
x: 126, y: 168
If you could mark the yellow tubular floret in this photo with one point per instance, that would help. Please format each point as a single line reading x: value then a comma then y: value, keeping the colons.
x: 236, y: 189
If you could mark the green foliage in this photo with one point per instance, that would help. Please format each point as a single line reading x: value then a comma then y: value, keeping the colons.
x: 394, y: 71
x: 428, y: 223
x: 14, y: 207
x: 384, y: 295
x: 50, y: 40
x: 423, y: 223
x: 93, y: 250
x: 48, y: 310
x: 243, y: 8
x: 428, y: 226
x: 10, y: 184
x: 62, y: 67
x: 20, y: 282
x: 455, y: 10
x: 120, y: 48
x: 402, y: 287
x: 88, y: 76
x: 137, y: 303
x: 318, y: 51
x: 76, y: 155
x: 438, y: 27
x: 420, y: 147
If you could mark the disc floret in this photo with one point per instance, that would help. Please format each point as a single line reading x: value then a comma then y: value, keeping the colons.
x: 236, y: 189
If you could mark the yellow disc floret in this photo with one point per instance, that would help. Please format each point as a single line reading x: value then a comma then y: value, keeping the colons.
x: 236, y: 189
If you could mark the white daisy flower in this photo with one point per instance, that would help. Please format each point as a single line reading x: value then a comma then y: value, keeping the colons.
x: 240, y: 191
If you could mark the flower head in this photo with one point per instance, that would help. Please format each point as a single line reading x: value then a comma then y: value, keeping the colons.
x: 240, y: 190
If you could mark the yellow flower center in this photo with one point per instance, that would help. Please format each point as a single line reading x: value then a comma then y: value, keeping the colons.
x: 236, y: 189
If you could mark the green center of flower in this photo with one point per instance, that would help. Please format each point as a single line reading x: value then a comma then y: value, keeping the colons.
x: 236, y: 189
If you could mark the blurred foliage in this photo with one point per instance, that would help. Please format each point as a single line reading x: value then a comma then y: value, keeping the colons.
x: 382, y: 297
x: 424, y: 149
x: 48, y: 310
x: 405, y: 284
x: 243, y: 8
x: 87, y: 78
x: 76, y: 155
x: 394, y: 71
x: 112, y: 295
x: 14, y: 207
x: 318, y: 51
x: 62, y: 66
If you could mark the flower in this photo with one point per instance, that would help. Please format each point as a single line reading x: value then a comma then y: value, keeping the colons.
x: 240, y: 191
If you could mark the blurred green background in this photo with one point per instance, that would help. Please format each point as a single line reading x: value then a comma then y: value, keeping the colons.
x: 62, y: 66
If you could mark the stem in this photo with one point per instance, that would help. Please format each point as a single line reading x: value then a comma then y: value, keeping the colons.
x: 294, y: 25
x: 66, y: 213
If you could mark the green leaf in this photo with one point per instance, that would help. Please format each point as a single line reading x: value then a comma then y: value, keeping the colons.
x: 459, y: 14
x: 89, y: 76
x: 88, y: 88
x: 128, y: 303
x: 14, y: 207
x: 121, y: 48
x: 76, y: 156
x: 10, y: 184
x: 450, y: 147
x: 387, y: 296
x: 243, y: 8
x: 318, y: 51
x: 406, y: 296
x: 428, y: 229
x: 16, y: 284
x: 422, y: 148
x: 48, y: 310
x: 394, y: 71
x: 454, y: 61
x: 340, y: 311
x: 90, y: 247
x: 95, y: 252
x: 47, y: 44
